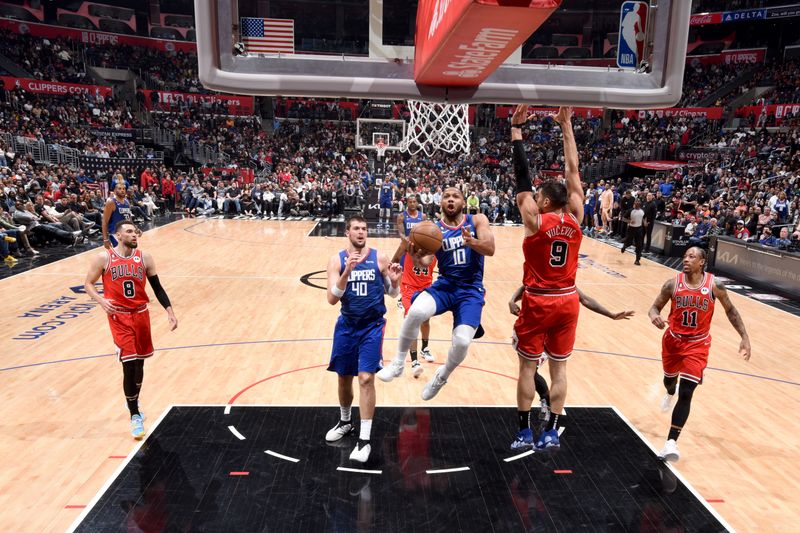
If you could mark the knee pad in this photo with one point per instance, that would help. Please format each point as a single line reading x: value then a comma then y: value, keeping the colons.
x: 422, y: 309
x: 462, y: 336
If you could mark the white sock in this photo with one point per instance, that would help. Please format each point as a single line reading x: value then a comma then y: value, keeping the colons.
x: 366, y: 427
x: 345, y: 413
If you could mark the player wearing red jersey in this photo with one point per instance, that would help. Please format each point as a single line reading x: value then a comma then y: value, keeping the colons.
x: 415, y: 279
x: 686, y: 342
x: 125, y: 271
x: 549, y: 313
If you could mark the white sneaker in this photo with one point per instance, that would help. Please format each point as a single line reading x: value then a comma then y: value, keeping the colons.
x: 391, y: 371
x: 667, y: 402
x: 416, y: 369
x: 670, y: 451
x: 427, y: 355
x: 361, y: 452
x: 434, y: 385
x: 339, y: 431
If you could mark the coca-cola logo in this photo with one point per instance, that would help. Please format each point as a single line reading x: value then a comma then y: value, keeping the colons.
x: 705, y: 18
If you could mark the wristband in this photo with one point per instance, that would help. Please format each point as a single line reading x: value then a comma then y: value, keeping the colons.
x: 336, y: 291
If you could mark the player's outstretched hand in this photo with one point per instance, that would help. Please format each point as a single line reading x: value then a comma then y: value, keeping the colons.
x: 659, y: 322
x: 520, y: 116
x: 173, y: 321
x: 564, y: 115
x: 744, y: 349
x: 623, y: 315
x: 469, y: 240
x: 395, y: 272
x: 416, y: 252
x: 513, y: 308
x: 108, y: 306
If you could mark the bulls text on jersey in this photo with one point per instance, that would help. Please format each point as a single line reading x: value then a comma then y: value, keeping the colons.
x: 127, y: 271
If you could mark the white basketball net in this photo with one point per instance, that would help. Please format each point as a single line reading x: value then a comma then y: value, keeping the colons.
x: 381, y: 149
x: 436, y: 126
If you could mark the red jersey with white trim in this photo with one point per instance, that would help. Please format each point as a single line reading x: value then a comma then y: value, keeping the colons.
x: 551, y: 254
x: 692, y: 308
x: 416, y: 278
x: 125, y: 280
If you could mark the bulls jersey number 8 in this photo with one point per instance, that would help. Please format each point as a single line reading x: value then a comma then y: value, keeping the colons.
x: 558, y: 253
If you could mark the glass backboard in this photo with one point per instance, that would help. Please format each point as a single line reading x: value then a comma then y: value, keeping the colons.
x: 364, y: 49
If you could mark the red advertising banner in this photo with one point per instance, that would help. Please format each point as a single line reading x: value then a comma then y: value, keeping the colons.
x: 94, y: 37
x: 779, y: 111
x: 700, y: 19
x: 711, y: 113
x: 54, y: 87
x: 247, y: 175
x: 505, y: 111
x: 730, y: 57
x: 172, y: 101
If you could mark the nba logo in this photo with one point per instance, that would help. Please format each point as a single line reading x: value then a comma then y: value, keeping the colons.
x: 632, y: 31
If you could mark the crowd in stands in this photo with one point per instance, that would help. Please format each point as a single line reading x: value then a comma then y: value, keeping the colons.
x: 44, y: 59
x: 699, y: 81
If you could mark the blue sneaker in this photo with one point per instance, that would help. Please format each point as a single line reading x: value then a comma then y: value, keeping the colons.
x: 137, y: 427
x: 523, y: 440
x: 548, y: 440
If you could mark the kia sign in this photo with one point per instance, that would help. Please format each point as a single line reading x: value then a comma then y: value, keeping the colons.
x: 632, y: 34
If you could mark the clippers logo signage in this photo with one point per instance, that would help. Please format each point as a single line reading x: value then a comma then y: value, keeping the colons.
x: 632, y: 34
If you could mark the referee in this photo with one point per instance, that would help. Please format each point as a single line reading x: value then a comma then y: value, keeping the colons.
x: 635, y: 230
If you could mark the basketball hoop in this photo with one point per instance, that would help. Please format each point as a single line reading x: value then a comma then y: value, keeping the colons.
x: 436, y: 126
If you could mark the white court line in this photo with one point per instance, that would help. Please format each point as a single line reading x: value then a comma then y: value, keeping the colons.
x: 228, y: 409
x: 697, y: 495
x: 448, y: 470
x: 117, y: 472
x: 236, y: 433
x: 358, y: 470
x: 519, y: 456
x: 281, y: 456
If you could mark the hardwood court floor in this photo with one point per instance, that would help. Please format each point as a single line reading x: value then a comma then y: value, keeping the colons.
x: 245, y: 317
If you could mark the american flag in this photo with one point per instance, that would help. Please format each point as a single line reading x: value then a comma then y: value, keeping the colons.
x: 268, y: 35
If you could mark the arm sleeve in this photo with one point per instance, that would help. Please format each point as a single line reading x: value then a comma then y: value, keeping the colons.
x: 521, y: 171
x: 161, y: 294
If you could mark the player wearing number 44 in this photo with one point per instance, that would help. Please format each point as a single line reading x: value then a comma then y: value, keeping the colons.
x: 466, y: 239
x: 126, y: 270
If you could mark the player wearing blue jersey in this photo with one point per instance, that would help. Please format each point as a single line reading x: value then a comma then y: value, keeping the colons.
x: 358, y: 277
x: 386, y: 200
x: 459, y: 288
x: 117, y: 208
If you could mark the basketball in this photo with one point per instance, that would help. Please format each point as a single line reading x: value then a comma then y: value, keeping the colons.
x: 426, y: 235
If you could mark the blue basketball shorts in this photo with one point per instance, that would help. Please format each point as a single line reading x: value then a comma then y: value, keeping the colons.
x: 466, y: 302
x: 357, y: 348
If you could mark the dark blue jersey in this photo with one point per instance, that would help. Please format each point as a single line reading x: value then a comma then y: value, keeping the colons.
x: 363, y: 298
x: 457, y: 262
x: 409, y: 221
x: 122, y: 211
x: 386, y: 192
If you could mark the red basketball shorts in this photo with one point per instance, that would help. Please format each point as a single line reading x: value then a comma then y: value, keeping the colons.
x: 684, y: 357
x: 131, y: 332
x: 546, y: 324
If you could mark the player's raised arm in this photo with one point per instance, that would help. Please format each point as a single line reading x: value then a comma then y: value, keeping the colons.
x: 661, y: 300
x: 593, y: 305
x: 401, y: 249
x: 575, y: 196
x: 399, y: 225
x: 525, y: 201
x: 337, y: 282
x: 483, y: 241
x: 721, y: 294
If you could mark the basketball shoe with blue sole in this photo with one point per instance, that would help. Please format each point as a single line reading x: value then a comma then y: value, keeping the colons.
x: 548, y: 440
x: 137, y: 427
x: 524, y: 440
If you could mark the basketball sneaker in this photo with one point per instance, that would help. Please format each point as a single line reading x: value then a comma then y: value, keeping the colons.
x: 339, y: 431
x: 361, y: 452
x: 391, y: 371
x: 137, y: 427
x: 434, y: 385
x: 523, y: 440
x: 427, y: 355
x: 416, y: 369
x: 548, y: 440
x: 670, y: 451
